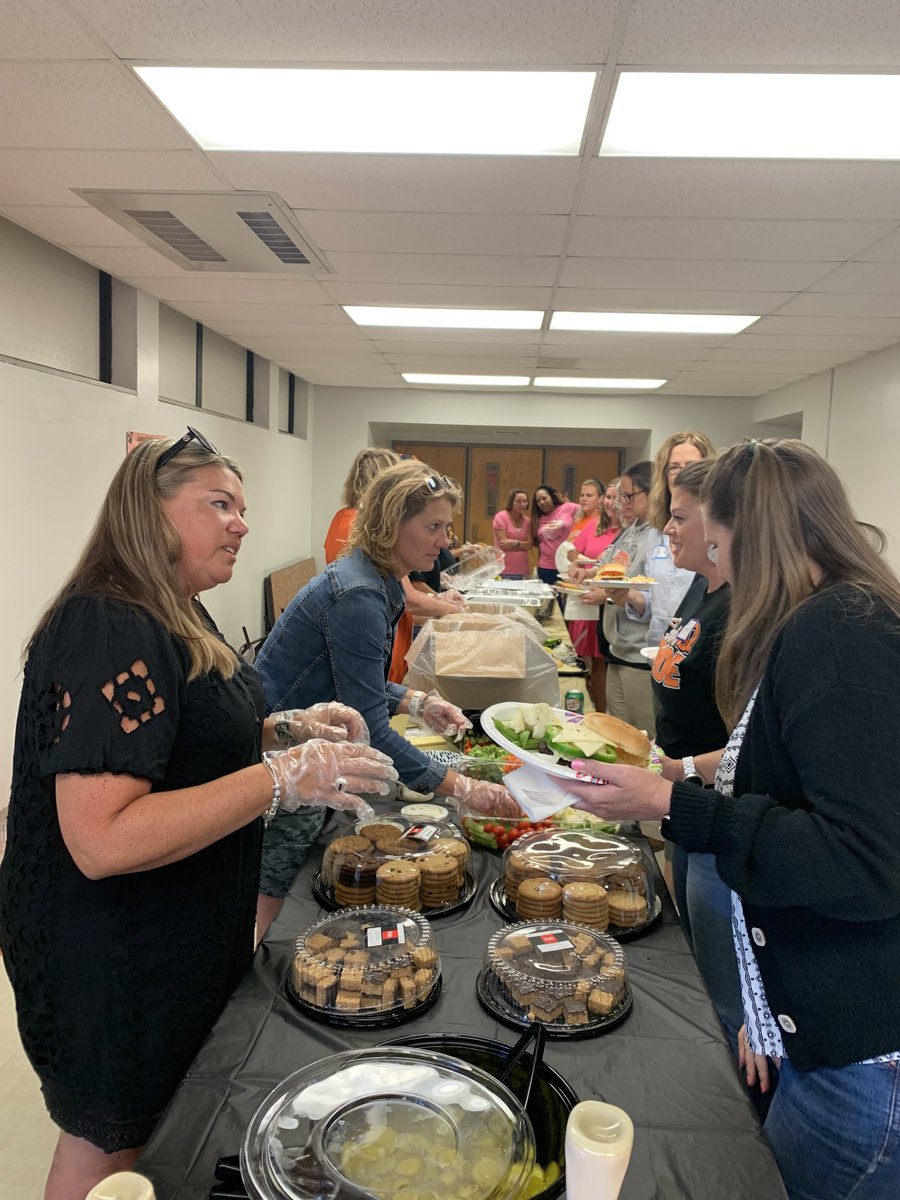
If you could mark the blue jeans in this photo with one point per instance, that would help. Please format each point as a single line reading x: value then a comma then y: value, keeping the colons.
x: 835, y: 1132
x: 704, y: 905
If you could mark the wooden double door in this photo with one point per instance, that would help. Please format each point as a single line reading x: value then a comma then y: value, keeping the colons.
x: 488, y: 474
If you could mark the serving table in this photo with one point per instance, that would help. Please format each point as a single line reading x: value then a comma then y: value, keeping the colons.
x: 667, y: 1065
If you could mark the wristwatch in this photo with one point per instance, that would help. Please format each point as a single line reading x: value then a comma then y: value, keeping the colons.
x: 691, y: 774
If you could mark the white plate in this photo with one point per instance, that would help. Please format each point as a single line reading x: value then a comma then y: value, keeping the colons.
x: 544, y: 761
x: 619, y: 583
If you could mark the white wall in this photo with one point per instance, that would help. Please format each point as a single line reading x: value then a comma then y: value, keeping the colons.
x: 61, y: 440
x: 346, y: 419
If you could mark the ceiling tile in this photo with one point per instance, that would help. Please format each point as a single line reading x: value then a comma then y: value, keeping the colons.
x: 648, y: 300
x: 397, y: 349
x: 861, y: 277
x: 277, y: 314
x: 837, y: 304
x: 674, y: 273
x: 638, y: 237
x: 756, y: 33
x: 471, y: 337
x: 194, y: 286
x: 885, y: 250
x: 44, y: 29
x: 433, y: 233
x: 812, y: 341
x: 319, y: 322
x: 638, y: 341
x: 503, y: 32
x: 95, y: 105
x: 48, y: 176
x: 463, y: 365
x: 436, y: 294
x: 406, y: 182
x: 476, y: 270
x: 864, y: 326
x: 742, y: 188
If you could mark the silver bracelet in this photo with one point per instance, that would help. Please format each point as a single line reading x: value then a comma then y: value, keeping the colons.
x: 276, y: 790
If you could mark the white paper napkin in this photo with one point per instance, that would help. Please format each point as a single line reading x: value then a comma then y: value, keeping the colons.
x: 539, y: 794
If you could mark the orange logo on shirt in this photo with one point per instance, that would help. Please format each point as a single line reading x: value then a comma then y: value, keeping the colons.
x: 673, y: 650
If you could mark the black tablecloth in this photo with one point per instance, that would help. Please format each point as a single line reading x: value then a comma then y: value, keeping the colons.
x: 667, y: 1065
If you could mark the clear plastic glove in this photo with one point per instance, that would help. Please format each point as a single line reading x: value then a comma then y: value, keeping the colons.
x: 329, y: 721
x: 454, y: 597
x: 332, y: 773
x: 492, y: 799
x: 443, y: 717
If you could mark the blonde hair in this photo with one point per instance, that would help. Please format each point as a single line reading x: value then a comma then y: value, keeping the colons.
x: 788, y: 513
x: 363, y: 470
x: 131, y: 556
x: 605, y: 523
x: 660, y: 498
x: 396, y: 495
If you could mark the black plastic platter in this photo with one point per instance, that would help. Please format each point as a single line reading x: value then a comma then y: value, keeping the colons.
x: 493, y: 997
x: 505, y: 907
x: 368, y: 1020
x: 469, y: 888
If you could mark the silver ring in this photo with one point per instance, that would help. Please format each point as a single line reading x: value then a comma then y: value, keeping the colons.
x: 340, y: 783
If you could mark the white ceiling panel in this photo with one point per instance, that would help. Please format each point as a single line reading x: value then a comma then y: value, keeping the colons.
x: 474, y: 337
x: 756, y: 33
x: 479, y: 350
x: 129, y: 263
x: 862, y: 277
x: 513, y: 32
x: 433, y: 233
x: 863, y: 326
x: 885, y: 250
x: 406, y: 183
x: 672, y: 273
x: 638, y: 341
x: 191, y: 286
x: 648, y: 300
x: 42, y: 29
x: 48, y: 176
x: 93, y: 105
x: 318, y: 323
x: 269, y: 314
x: 837, y: 304
x: 749, y: 354
x: 813, y: 341
x: 441, y: 295
x: 638, y: 237
x: 684, y: 187
x: 71, y: 226
x: 459, y: 366
x: 476, y: 270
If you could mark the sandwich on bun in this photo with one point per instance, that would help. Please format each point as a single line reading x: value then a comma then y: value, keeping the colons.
x: 612, y: 570
x: 603, y: 738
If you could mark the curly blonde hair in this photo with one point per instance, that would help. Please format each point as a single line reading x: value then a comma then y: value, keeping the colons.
x: 660, y: 498
x: 396, y: 495
x: 363, y: 470
x: 132, y: 553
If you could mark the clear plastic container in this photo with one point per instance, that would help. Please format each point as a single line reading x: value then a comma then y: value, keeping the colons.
x: 594, y: 879
x: 397, y: 860
x: 473, y: 567
x: 388, y: 1123
x: 366, y: 962
x: 564, y: 975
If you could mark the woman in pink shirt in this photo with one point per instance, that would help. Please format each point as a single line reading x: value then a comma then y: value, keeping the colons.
x: 512, y: 535
x: 589, y: 543
x: 552, y: 518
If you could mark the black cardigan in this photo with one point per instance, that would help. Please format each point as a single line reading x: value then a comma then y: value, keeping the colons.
x: 811, y: 839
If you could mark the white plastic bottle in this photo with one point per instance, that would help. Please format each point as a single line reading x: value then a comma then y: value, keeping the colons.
x: 124, y: 1185
x: 599, y: 1138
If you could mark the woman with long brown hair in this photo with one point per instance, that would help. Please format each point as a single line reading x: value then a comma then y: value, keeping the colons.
x: 142, y: 769
x: 512, y: 534
x: 804, y: 819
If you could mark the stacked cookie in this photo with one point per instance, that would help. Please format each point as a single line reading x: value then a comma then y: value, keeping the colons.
x: 396, y: 862
x: 366, y: 961
x: 591, y: 879
x: 557, y: 973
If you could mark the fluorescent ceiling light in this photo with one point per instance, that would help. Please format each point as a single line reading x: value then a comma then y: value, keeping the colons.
x: 718, y: 115
x: 376, y: 112
x: 578, y: 381
x: 648, y: 322
x: 469, y: 380
x: 445, y: 318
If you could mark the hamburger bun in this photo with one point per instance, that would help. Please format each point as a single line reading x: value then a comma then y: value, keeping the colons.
x: 612, y: 570
x: 632, y: 745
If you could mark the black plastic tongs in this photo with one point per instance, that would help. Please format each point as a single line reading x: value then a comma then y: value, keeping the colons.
x: 534, y: 1033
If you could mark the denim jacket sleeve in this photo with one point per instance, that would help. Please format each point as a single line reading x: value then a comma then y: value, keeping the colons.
x: 355, y: 626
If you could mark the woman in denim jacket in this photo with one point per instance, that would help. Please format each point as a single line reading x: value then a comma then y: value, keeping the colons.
x: 334, y: 640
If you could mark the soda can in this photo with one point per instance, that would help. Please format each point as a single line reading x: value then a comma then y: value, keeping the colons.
x: 574, y: 701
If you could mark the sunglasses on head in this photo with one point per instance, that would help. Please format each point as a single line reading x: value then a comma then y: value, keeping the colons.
x: 192, y: 435
x: 439, y: 483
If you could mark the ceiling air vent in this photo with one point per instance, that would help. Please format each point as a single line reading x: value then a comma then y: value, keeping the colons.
x: 249, y: 232
x: 175, y: 233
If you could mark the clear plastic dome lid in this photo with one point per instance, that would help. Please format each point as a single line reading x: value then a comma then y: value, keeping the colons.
x: 388, y: 1124
x: 366, y: 961
x: 473, y: 567
x: 595, y: 879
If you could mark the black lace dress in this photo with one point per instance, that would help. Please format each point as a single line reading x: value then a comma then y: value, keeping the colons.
x: 118, y: 981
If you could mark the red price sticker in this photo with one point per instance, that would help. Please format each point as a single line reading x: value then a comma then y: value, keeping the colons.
x: 378, y: 935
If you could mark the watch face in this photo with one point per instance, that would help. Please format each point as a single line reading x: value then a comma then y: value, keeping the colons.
x: 697, y: 779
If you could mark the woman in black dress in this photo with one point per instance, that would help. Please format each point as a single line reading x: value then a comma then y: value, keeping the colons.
x: 128, y: 888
